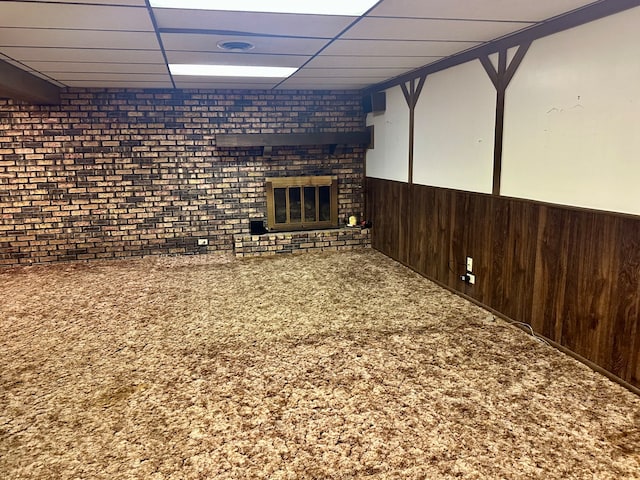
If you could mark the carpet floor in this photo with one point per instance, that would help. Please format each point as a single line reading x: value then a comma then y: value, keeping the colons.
x: 319, y: 366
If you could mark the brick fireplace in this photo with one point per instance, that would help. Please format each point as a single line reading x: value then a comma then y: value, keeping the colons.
x: 119, y: 173
x: 302, y: 216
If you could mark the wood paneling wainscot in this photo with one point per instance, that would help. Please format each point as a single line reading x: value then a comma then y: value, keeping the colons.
x: 573, y: 274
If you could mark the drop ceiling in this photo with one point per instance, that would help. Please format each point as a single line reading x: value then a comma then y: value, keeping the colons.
x: 126, y: 43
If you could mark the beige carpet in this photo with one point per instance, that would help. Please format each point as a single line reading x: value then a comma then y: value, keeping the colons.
x: 323, y: 366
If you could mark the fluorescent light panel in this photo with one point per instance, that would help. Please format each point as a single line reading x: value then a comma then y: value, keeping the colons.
x: 353, y: 8
x: 231, y: 71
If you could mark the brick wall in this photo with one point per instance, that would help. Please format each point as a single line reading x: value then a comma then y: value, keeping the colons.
x: 116, y: 173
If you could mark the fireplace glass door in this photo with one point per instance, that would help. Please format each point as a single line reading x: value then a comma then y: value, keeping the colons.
x: 302, y: 203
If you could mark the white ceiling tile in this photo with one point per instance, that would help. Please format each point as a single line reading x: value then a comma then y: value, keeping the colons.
x: 324, y: 26
x: 47, y: 78
x: 189, y: 80
x: 364, y: 80
x: 240, y: 84
x: 322, y: 84
x: 522, y: 10
x: 117, y: 84
x: 377, y: 73
x: 370, y: 61
x: 133, y: 3
x: 29, y: 37
x: 208, y: 43
x: 134, y: 77
x: 12, y: 61
x: 333, y: 87
x: 53, y: 68
x: 70, y: 16
x: 224, y: 86
x: 427, y: 29
x: 29, y: 54
x: 396, y: 48
x: 228, y: 58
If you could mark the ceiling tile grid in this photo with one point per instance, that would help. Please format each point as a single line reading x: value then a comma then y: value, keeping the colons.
x: 100, y: 43
x: 279, y: 24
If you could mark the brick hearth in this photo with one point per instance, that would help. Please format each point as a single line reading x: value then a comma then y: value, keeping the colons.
x: 300, y: 242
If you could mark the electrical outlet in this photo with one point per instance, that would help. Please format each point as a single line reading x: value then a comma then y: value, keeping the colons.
x: 203, y: 242
x: 469, y: 278
x: 469, y: 264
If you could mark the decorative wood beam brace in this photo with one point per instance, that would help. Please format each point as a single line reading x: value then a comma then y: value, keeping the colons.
x: 406, y: 93
x: 411, y: 95
x: 418, y: 90
x: 515, y: 62
x: 18, y: 84
x: 500, y: 80
x: 491, y: 71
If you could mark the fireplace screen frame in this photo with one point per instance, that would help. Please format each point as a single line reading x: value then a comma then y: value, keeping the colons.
x: 302, y: 184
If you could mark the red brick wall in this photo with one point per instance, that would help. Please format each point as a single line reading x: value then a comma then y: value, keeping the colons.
x: 116, y: 173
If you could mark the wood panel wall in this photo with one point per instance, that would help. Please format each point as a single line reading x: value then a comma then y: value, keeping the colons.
x: 573, y: 274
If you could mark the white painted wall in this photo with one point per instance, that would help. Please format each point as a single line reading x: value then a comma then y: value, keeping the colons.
x: 455, y: 122
x: 389, y: 159
x: 572, y: 118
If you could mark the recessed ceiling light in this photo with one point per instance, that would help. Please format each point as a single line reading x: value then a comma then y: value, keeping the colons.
x: 353, y: 8
x: 235, y: 46
x: 231, y: 70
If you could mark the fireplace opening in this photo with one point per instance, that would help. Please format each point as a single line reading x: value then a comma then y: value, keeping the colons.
x: 302, y: 203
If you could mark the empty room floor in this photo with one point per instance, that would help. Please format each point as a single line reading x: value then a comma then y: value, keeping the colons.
x: 334, y: 365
